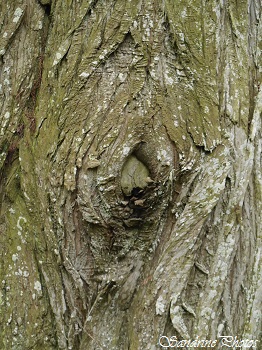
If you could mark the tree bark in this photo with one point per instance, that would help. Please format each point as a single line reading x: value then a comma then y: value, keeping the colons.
x: 131, y: 187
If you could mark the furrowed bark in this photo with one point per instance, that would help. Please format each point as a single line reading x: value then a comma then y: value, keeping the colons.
x: 130, y: 156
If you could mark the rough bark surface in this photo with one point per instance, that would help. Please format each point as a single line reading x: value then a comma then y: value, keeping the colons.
x: 130, y: 167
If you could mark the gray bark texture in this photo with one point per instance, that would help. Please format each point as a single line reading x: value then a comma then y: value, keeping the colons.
x: 130, y: 172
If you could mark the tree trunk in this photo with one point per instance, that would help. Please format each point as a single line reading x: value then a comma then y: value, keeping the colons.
x: 131, y: 187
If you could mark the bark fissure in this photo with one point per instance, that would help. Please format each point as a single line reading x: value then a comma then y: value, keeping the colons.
x: 130, y: 156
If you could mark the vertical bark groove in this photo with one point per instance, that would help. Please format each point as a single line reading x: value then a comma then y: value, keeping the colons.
x: 130, y: 168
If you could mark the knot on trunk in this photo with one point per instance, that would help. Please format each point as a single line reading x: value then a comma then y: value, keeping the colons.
x: 134, y: 175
